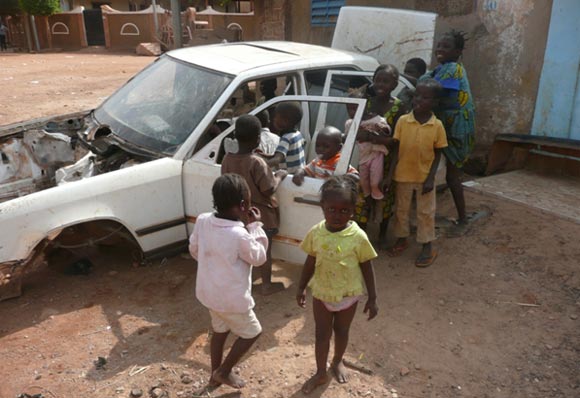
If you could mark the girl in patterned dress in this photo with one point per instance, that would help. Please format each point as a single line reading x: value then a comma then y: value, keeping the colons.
x: 457, y: 112
x: 381, y: 102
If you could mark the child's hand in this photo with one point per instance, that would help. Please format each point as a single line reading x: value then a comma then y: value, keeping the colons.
x: 301, y: 298
x: 298, y: 179
x: 253, y: 215
x: 371, y: 308
x: 427, y: 186
x: 281, y: 174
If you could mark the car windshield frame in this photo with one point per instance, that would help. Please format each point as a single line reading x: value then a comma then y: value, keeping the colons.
x: 162, y: 105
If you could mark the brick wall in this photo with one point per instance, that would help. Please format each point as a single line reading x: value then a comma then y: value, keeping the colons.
x: 273, y: 26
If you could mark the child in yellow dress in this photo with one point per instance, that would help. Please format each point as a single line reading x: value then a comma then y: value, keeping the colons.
x: 337, y: 269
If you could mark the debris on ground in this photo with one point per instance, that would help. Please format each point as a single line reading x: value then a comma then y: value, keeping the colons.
x: 100, y: 363
x: 148, y: 49
x: 136, y: 393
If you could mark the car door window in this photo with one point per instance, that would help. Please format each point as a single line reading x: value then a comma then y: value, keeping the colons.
x: 245, y: 98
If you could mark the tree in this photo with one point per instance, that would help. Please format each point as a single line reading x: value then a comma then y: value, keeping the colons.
x: 40, y: 7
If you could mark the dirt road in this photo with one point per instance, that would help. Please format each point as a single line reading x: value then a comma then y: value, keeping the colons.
x: 495, y: 316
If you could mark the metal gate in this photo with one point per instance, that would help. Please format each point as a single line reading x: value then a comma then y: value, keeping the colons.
x: 94, y: 27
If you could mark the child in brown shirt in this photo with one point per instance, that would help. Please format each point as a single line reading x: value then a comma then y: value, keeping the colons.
x: 262, y: 182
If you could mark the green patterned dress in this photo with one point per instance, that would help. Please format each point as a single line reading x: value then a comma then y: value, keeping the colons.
x: 361, y: 215
x: 456, y: 111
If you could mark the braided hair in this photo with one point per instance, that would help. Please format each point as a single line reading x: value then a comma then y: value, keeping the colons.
x: 458, y: 38
x: 342, y: 185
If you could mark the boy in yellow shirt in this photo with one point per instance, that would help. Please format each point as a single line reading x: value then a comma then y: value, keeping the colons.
x: 419, y: 139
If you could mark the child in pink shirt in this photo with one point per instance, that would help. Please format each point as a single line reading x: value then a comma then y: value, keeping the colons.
x: 226, y: 244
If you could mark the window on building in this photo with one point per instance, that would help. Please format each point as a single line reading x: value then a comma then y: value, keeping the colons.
x: 325, y: 12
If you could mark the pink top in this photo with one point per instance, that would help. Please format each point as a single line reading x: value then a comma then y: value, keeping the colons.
x: 225, y: 251
x: 367, y: 150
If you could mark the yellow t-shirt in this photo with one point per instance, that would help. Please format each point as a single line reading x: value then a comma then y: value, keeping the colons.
x: 338, y: 255
x: 417, y: 144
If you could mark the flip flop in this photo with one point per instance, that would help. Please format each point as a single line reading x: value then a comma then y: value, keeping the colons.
x: 424, y: 262
x: 397, y: 250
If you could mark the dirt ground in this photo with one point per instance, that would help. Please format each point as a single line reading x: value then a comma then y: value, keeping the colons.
x: 495, y: 316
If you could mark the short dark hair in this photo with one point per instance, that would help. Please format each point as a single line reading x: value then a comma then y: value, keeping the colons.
x: 389, y: 68
x: 343, y: 185
x: 291, y: 111
x: 419, y: 64
x: 228, y: 191
x: 247, y: 128
x: 433, y: 85
x: 264, y: 118
x: 458, y: 38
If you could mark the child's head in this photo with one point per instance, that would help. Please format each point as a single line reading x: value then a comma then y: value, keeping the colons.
x: 415, y: 67
x: 231, y: 196
x: 268, y: 88
x: 385, y: 80
x: 248, y: 131
x: 287, y: 116
x: 264, y: 118
x: 450, y: 46
x: 328, y: 142
x: 427, y: 95
x: 338, y: 196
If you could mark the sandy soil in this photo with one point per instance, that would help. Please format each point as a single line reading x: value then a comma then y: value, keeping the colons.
x: 496, y: 316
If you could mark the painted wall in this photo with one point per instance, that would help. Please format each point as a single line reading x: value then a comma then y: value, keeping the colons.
x: 557, y: 111
x: 503, y: 56
x: 68, y: 31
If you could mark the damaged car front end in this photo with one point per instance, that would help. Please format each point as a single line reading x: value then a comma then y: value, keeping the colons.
x: 55, y: 173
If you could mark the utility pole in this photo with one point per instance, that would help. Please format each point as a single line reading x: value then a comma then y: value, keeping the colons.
x: 176, y: 17
x: 155, y: 21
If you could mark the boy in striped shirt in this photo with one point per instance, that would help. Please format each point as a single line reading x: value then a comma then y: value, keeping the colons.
x: 328, y: 146
x: 289, y: 154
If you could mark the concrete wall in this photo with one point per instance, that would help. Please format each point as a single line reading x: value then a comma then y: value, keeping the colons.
x: 67, y: 31
x: 124, y: 31
x: 503, y: 56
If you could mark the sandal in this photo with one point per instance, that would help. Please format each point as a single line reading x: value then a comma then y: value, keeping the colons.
x: 425, y: 261
x: 397, y: 250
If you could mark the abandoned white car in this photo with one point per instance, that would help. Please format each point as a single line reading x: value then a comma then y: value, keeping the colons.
x: 142, y: 164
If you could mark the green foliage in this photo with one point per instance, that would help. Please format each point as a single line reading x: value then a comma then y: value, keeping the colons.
x: 40, y: 7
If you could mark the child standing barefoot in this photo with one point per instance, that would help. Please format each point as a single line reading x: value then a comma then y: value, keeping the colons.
x: 457, y: 112
x: 226, y: 244
x: 337, y: 267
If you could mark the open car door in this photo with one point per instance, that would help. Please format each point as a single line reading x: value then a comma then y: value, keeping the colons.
x: 339, y: 81
x: 299, y: 205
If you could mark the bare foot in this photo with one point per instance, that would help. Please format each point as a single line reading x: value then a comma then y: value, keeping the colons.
x: 267, y: 289
x: 315, y: 381
x: 206, y: 390
x: 339, y: 372
x: 229, y: 379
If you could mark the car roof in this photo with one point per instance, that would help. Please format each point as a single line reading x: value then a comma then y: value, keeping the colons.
x: 240, y: 57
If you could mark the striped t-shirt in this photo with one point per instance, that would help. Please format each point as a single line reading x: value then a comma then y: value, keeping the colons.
x: 292, y: 147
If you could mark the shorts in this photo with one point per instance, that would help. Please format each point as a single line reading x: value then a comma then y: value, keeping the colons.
x: 244, y: 325
x: 343, y: 304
